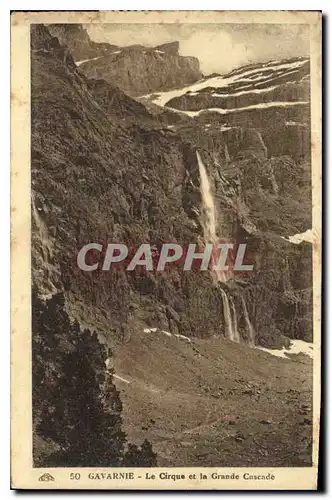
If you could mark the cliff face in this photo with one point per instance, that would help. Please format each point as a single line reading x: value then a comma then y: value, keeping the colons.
x: 76, y: 38
x: 271, y: 98
x: 252, y: 128
x: 135, y: 69
x: 105, y: 169
x: 99, y: 178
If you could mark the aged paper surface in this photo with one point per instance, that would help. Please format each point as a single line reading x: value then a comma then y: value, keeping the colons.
x: 166, y: 265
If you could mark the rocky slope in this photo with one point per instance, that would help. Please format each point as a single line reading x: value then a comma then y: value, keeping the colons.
x: 135, y: 69
x: 215, y: 403
x: 104, y: 169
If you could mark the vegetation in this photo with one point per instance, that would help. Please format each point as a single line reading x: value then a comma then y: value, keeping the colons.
x: 76, y: 406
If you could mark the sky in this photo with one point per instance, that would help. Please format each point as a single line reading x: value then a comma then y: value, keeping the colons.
x: 219, y: 47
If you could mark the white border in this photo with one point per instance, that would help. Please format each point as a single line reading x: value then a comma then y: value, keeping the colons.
x: 5, y: 194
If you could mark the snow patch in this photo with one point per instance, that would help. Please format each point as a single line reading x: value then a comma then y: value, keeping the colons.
x: 78, y: 63
x: 223, y: 111
x: 271, y: 78
x: 109, y: 363
x: 296, y: 347
x: 309, y: 235
x: 244, y: 92
x: 259, y: 72
x: 168, y: 334
x: 122, y: 379
x: 256, y: 74
x: 150, y: 330
x: 183, y: 337
x: 291, y: 123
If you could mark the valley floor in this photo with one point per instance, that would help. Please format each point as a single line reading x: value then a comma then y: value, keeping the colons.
x: 215, y: 403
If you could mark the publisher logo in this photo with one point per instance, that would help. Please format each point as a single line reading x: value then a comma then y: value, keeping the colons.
x: 46, y: 477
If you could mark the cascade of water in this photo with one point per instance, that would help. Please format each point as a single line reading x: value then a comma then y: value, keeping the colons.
x: 230, y: 317
x: 250, y: 328
x: 209, y: 224
x: 210, y: 236
x: 236, y: 336
x: 227, y: 316
x: 227, y: 157
x: 209, y: 219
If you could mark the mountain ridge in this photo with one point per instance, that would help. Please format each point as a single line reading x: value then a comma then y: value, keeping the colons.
x: 136, y: 69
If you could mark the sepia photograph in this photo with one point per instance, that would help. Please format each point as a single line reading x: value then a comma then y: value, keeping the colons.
x: 169, y: 209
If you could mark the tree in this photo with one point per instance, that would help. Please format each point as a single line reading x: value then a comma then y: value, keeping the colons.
x: 75, y: 404
x: 140, y: 456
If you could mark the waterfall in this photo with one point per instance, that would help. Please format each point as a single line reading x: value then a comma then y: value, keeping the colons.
x: 227, y: 157
x: 236, y: 336
x: 210, y: 236
x: 209, y: 218
x: 209, y: 222
x: 230, y: 318
x: 250, y: 328
x: 227, y: 315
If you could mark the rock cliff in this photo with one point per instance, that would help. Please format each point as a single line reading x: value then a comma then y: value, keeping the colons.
x: 106, y: 169
x: 76, y: 38
x: 135, y: 69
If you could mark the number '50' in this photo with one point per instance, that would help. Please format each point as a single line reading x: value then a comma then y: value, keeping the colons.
x: 75, y: 475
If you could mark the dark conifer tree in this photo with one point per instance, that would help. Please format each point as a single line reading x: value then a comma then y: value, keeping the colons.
x: 75, y: 403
